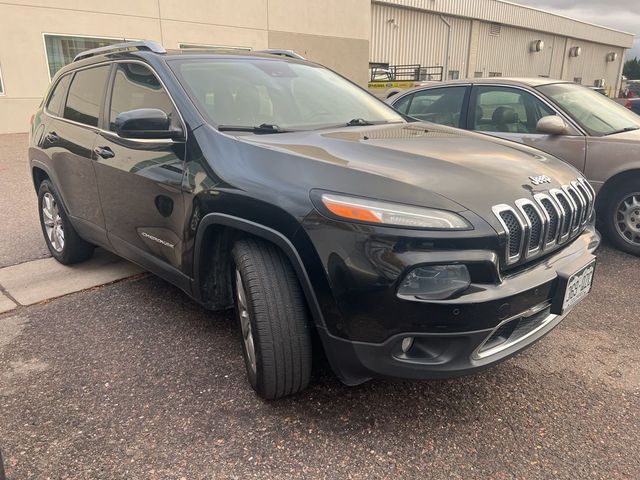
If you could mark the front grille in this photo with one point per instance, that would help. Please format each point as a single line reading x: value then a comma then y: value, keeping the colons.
x: 513, y: 226
x: 515, y: 330
x: 534, y: 227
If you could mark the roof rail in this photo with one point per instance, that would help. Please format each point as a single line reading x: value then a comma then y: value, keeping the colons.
x: 149, y: 45
x: 282, y: 53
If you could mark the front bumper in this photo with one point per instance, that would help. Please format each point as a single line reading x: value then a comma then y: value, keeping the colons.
x: 515, y: 314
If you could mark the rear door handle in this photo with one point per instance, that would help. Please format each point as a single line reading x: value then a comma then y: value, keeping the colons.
x: 104, y: 152
x: 51, y: 137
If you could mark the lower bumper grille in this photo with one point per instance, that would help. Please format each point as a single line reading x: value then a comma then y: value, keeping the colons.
x: 515, y: 330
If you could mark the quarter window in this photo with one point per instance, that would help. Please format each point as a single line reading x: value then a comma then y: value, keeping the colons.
x: 56, y: 99
x: 85, y: 95
x: 135, y: 86
x: 438, y: 105
x: 502, y: 109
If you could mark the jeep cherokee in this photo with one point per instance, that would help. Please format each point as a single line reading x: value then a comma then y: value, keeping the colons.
x: 275, y: 186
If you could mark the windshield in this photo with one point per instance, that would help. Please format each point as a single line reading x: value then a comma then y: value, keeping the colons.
x: 597, y: 114
x: 294, y: 96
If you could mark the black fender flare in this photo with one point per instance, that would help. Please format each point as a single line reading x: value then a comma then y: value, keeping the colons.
x: 269, y: 234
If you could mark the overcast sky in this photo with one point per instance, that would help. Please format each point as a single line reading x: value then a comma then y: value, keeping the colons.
x: 619, y: 14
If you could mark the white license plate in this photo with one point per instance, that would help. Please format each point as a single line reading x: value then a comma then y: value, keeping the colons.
x: 578, y: 286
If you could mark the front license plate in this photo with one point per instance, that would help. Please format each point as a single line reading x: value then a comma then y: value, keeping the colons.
x: 576, y: 288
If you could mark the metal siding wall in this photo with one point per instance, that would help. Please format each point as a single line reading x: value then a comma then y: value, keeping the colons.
x: 520, y: 16
x: 419, y: 37
x: 509, y: 53
x: 591, y: 65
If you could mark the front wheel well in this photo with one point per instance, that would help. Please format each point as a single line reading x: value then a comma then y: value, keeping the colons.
x: 611, y: 185
x: 39, y: 175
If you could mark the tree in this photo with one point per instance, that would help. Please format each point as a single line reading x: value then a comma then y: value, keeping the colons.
x: 631, y: 69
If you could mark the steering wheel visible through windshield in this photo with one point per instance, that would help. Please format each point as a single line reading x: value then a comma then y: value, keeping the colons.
x: 594, y: 112
x: 248, y: 92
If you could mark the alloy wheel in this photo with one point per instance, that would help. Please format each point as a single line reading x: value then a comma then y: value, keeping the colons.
x: 245, y: 322
x: 52, y: 222
x: 628, y: 218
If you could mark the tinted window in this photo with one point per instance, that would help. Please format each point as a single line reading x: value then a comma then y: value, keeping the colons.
x: 509, y: 110
x: 56, y: 99
x: 135, y: 86
x: 85, y: 95
x: 438, y: 105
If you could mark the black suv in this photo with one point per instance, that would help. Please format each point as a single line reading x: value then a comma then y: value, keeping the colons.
x: 274, y: 185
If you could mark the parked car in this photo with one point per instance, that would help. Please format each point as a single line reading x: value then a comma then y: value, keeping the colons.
x: 277, y: 187
x: 633, y: 104
x: 585, y: 129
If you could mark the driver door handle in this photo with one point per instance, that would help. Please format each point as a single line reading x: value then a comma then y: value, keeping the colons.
x: 104, y: 152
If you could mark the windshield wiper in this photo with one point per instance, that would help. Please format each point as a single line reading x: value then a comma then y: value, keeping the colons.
x: 264, y: 128
x: 354, y: 122
x: 622, y: 130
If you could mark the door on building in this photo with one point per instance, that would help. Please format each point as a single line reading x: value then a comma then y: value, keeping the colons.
x: 141, y: 176
x: 512, y: 113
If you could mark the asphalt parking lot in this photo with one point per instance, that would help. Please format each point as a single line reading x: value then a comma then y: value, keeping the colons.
x: 133, y: 380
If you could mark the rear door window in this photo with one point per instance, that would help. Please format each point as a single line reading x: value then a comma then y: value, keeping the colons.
x: 85, y: 95
x: 56, y: 99
x: 135, y: 86
x: 439, y: 105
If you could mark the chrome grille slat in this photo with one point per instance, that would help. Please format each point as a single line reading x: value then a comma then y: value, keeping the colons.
x: 549, y: 220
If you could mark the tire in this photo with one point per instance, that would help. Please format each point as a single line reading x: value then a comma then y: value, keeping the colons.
x: 621, y: 216
x: 63, y: 241
x: 275, y: 310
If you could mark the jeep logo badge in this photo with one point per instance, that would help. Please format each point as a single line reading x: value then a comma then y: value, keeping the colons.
x: 540, y: 179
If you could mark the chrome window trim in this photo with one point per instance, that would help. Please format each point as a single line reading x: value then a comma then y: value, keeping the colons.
x: 521, y: 203
x: 156, y: 141
x: 539, y: 197
x: 497, y: 210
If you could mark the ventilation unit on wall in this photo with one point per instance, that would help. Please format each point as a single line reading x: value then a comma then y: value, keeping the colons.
x: 575, y: 51
x: 612, y: 56
x: 537, y: 46
x: 494, y: 29
x: 600, y: 83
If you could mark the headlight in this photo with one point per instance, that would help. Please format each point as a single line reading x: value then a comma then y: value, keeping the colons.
x: 435, y: 282
x: 394, y: 214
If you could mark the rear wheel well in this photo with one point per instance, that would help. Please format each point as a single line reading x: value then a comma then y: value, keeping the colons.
x: 611, y: 185
x: 39, y: 176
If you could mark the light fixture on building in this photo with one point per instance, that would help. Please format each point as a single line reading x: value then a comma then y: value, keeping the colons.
x: 612, y: 56
x: 537, y: 46
x: 575, y: 51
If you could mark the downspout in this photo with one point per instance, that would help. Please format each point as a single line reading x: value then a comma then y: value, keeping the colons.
x: 445, y: 72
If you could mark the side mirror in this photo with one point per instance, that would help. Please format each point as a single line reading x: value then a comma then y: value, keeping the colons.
x: 145, y: 123
x: 551, y: 125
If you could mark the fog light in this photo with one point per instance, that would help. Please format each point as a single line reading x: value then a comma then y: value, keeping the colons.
x: 407, y: 343
x: 435, y: 282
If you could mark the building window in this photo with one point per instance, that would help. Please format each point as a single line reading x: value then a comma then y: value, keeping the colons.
x: 495, y: 74
x: 478, y: 74
x: 62, y: 49
x: 1, y: 83
x: 203, y: 46
x: 577, y: 80
x: 454, y: 74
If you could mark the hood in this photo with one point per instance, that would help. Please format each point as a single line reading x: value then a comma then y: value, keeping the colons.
x: 473, y: 171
